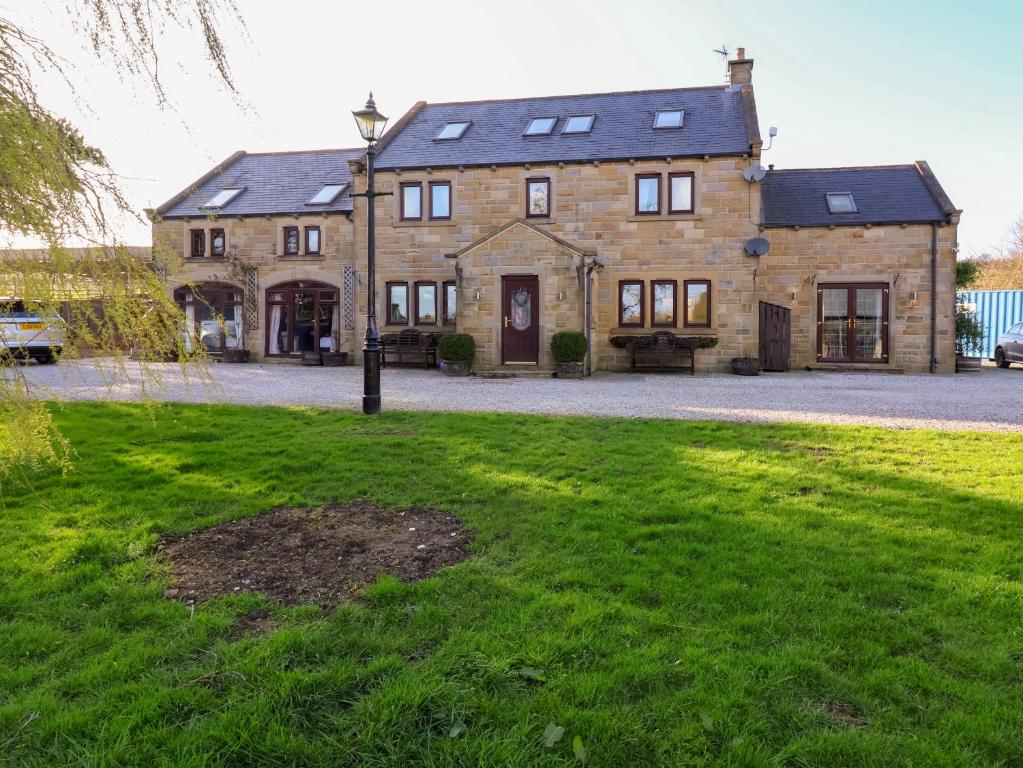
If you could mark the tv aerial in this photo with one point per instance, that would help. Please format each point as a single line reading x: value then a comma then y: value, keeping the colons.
x: 722, y: 52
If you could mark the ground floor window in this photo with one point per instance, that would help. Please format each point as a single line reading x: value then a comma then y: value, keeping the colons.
x: 214, y: 314
x: 302, y: 317
x: 450, y: 303
x: 852, y: 322
x: 697, y: 303
x: 397, y: 303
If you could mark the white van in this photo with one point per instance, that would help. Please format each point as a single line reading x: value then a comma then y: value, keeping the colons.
x: 24, y: 333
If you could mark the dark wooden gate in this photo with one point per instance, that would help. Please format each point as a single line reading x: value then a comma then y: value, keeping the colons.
x: 775, y: 337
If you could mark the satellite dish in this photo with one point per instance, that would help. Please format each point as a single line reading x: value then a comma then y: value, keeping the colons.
x: 754, y: 173
x: 757, y: 246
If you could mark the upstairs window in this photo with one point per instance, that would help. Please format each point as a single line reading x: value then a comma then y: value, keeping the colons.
x: 648, y: 194
x: 668, y: 118
x: 218, y: 242
x: 291, y: 241
x: 327, y: 195
x: 412, y: 201
x: 312, y: 240
x: 540, y: 126
x: 223, y: 197
x: 680, y: 193
x: 452, y: 131
x: 538, y: 198
x: 440, y: 199
x: 841, y: 202
x: 198, y: 243
x: 578, y: 124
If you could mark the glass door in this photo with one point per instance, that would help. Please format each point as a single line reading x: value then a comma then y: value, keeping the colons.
x: 852, y: 323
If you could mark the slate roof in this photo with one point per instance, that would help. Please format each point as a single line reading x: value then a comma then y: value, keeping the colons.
x: 274, y: 183
x: 893, y: 194
x: 719, y: 120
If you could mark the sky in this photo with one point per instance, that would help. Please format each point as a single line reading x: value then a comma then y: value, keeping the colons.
x: 864, y: 83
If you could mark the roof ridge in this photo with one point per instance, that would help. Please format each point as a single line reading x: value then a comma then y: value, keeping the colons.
x: 904, y: 166
x: 305, y: 151
x: 576, y: 95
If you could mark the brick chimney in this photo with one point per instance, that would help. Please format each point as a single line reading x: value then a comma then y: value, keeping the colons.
x: 740, y: 69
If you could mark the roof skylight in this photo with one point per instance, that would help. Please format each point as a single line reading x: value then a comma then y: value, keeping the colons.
x: 223, y: 197
x: 540, y: 126
x: 327, y: 195
x: 669, y: 118
x: 451, y: 131
x: 578, y: 124
x: 841, y: 202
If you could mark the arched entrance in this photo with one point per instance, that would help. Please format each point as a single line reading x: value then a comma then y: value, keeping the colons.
x: 302, y: 317
x: 214, y: 313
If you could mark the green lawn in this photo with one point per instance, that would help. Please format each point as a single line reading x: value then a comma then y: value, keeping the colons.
x: 695, y: 594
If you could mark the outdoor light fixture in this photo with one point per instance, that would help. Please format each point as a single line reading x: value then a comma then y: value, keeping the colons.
x: 477, y: 294
x: 371, y: 125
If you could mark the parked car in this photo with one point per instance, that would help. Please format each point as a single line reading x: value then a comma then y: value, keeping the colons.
x: 25, y: 334
x: 1009, y: 348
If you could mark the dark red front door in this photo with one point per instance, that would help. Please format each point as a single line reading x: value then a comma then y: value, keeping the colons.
x: 520, y: 319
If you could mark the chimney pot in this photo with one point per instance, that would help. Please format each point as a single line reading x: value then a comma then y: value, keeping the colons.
x: 741, y: 54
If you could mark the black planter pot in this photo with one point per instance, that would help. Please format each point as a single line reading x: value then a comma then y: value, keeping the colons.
x: 455, y: 367
x: 746, y: 366
x: 234, y: 356
x: 573, y: 370
x: 335, y: 359
x: 968, y: 364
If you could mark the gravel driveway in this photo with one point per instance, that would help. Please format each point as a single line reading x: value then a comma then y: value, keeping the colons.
x: 988, y: 400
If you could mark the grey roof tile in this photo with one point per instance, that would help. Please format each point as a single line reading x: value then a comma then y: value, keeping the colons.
x: 716, y: 123
x: 893, y: 194
x: 276, y: 182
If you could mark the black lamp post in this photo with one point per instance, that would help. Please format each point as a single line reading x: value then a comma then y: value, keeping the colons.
x: 371, y: 125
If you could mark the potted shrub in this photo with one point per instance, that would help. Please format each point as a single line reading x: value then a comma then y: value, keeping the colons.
x: 335, y: 357
x: 455, y: 352
x: 568, y: 348
x: 969, y: 332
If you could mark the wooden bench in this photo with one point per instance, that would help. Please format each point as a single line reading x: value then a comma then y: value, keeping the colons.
x: 663, y: 350
x: 408, y: 347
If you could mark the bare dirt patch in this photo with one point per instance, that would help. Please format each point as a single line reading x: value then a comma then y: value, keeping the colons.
x: 324, y: 556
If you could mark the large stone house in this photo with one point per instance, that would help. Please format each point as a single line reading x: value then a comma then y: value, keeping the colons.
x: 614, y: 214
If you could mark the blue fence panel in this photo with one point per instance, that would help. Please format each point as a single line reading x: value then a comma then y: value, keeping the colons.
x: 997, y: 310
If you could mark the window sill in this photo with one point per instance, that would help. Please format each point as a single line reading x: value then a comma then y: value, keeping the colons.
x: 205, y: 259
x: 425, y: 223
x: 665, y: 217
x: 540, y: 220
x: 301, y: 257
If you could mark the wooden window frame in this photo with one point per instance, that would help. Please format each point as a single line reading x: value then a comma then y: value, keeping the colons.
x: 408, y: 302
x: 692, y: 192
x: 640, y: 177
x: 319, y: 240
x: 192, y: 240
x: 432, y: 185
x: 298, y: 242
x: 539, y: 180
x: 642, y: 302
x: 401, y: 201
x: 674, y: 304
x: 436, y: 303
x: 444, y: 290
x: 851, y: 298
x: 685, y: 304
x: 213, y: 237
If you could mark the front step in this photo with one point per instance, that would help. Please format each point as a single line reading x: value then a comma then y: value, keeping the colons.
x: 853, y: 368
x: 514, y: 372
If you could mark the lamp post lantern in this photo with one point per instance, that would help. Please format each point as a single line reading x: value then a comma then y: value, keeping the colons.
x: 371, y: 125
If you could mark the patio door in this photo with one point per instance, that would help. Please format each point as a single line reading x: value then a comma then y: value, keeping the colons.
x: 302, y: 317
x: 852, y: 323
x: 520, y: 319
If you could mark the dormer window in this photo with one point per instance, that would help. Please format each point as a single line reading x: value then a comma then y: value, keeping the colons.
x: 841, y: 202
x: 540, y: 126
x: 668, y: 118
x: 223, y: 197
x: 327, y: 195
x: 452, y: 131
x: 578, y: 124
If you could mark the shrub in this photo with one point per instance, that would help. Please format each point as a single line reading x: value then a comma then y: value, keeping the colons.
x: 456, y: 347
x: 568, y: 347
